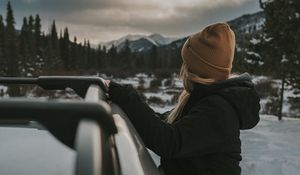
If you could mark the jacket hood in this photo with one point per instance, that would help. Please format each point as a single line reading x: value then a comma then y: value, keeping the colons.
x: 242, y: 96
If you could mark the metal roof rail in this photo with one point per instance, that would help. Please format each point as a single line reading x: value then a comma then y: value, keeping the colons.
x: 84, y: 125
x: 79, y: 84
x: 60, y: 117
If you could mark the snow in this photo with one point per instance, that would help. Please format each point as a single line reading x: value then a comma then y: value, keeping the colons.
x: 117, y: 42
x: 141, y: 49
x: 253, y: 53
x: 253, y: 62
x: 161, y: 109
x: 256, y: 79
x: 164, y: 96
x: 272, y: 147
x: 155, y: 39
x: 269, y: 1
x: 151, y: 41
x: 268, y: 39
x: 297, y: 15
x: 284, y: 59
x: 135, y: 81
x: 3, y: 89
x: 161, y: 40
x: 255, y: 41
x: 178, y: 83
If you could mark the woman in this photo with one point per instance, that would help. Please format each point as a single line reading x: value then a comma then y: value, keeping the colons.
x: 201, y: 134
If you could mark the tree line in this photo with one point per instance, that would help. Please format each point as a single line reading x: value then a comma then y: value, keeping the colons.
x: 273, y: 51
x: 31, y: 52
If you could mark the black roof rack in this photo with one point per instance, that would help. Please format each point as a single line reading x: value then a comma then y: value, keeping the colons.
x: 79, y: 84
x: 60, y: 117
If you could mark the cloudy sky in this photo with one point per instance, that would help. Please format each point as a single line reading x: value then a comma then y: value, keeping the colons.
x: 104, y: 20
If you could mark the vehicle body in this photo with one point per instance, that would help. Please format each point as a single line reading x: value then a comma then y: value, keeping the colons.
x: 104, y: 140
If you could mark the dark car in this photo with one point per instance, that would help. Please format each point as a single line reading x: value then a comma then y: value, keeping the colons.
x: 92, y: 137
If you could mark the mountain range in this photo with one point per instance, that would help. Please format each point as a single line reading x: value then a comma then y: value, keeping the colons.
x: 243, y: 25
x: 139, y: 43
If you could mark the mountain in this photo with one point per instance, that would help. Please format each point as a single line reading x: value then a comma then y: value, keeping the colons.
x: 139, y: 43
x: 245, y: 25
x: 161, y: 40
x: 248, y: 24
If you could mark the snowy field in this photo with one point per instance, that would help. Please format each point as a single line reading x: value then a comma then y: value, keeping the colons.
x: 272, y: 147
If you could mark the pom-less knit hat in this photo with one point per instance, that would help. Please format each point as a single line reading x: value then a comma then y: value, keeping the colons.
x: 209, y: 53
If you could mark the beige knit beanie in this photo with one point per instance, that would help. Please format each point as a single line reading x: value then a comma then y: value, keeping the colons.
x: 209, y: 53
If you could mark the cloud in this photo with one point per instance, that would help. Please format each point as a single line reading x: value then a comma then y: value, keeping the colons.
x: 108, y: 19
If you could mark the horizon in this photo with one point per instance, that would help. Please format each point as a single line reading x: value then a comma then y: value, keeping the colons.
x: 115, y: 19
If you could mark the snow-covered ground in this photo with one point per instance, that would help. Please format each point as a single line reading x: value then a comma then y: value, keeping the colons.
x: 272, y: 147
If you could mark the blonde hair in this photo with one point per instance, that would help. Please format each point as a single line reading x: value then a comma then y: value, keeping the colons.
x: 188, y: 78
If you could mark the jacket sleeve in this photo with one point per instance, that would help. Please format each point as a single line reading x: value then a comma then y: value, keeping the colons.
x: 194, y: 133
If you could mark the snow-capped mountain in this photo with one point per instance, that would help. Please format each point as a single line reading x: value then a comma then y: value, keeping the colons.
x: 248, y: 24
x: 161, y: 40
x: 139, y: 43
x: 244, y: 25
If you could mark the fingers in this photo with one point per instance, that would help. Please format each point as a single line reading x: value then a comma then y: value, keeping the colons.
x: 105, y: 83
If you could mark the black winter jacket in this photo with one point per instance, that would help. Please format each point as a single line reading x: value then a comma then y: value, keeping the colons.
x: 204, y: 140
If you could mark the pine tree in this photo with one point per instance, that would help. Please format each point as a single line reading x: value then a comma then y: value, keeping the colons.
x: 39, y: 60
x: 53, y: 60
x: 112, y: 55
x: 23, y: 36
x: 53, y: 36
x: 11, y: 49
x: 74, y: 53
x: 105, y: 62
x: 89, y: 61
x: 124, y: 57
x: 10, y: 42
x: 81, y: 56
x: 3, y: 61
x: 154, y: 57
x: 281, y: 27
x: 23, y: 48
x: 37, y: 33
x: 251, y: 59
x: 101, y: 57
x: 65, y: 49
x: 31, y: 39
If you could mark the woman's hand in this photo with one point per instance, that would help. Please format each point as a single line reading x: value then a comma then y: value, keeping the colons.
x: 106, y: 86
x: 105, y: 83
